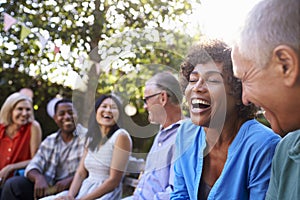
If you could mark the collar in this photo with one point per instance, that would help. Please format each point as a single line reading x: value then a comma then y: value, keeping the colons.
x: 171, y: 126
x: 79, y: 131
x: 75, y: 133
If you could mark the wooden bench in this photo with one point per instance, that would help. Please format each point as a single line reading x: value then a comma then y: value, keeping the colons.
x: 134, y: 169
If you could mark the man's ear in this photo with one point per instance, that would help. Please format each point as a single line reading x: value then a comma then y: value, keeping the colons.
x: 55, y: 117
x: 288, y: 61
x: 164, y: 97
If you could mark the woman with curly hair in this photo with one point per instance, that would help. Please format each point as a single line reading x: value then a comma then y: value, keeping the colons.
x: 222, y: 151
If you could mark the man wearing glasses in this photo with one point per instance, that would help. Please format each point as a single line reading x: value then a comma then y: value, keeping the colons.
x: 162, y: 100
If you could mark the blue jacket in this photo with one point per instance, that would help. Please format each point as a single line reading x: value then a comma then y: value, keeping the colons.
x: 246, y: 172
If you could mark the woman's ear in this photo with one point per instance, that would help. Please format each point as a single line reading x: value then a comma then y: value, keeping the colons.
x: 288, y: 61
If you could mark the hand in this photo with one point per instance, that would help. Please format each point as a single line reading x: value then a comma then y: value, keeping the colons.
x: 63, y: 184
x: 4, y: 173
x: 40, y: 187
x: 65, y: 198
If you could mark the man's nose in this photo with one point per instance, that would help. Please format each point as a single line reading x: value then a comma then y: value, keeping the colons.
x: 67, y: 115
x: 145, y: 106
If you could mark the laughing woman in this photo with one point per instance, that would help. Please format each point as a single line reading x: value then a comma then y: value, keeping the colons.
x: 223, y: 152
x: 105, y: 159
x: 20, y: 135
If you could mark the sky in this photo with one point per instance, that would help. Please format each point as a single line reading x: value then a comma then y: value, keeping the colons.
x: 221, y: 18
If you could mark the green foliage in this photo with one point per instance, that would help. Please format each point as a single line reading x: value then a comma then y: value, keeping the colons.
x: 77, y: 24
x: 129, y: 40
x: 11, y: 80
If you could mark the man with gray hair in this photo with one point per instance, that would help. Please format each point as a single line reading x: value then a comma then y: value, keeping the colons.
x: 162, y: 100
x: 266, y: 58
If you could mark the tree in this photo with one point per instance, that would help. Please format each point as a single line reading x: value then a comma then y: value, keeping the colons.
x: 77, y: 27
x: 96, y: 31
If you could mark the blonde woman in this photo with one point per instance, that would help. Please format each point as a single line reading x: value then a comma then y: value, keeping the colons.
x: 20, y: 134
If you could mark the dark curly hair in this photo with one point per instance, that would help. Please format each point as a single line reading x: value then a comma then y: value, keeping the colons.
x: 218, y: 52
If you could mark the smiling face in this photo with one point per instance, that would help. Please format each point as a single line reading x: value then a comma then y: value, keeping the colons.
x: 263, y: 87
x: 207, y: 97
x: 154, y: 104
x: 22, y: 112
x: 65, y: 117
x: 107, y: 113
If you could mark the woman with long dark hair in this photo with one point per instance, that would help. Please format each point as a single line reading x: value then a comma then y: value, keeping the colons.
x: 101, y: 169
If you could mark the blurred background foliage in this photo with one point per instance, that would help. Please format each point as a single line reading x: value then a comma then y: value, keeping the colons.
x: 105, y: 46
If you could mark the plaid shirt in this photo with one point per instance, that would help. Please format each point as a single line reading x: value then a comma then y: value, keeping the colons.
x: 47, y: 158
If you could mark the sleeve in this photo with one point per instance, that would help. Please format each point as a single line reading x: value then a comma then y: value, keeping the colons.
x: 261, y: 168
x: 39, y: 160
x: 165, y: 195
x: 180, y: 189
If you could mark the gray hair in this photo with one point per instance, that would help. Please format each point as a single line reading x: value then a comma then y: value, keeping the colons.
x: 270, y: 23
x: 9, y: 105
x: 166, y: 81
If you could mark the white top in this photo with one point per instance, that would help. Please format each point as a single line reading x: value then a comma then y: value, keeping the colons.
x: 97, y: 164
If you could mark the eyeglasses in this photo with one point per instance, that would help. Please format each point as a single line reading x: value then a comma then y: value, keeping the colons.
x: 145, y: 99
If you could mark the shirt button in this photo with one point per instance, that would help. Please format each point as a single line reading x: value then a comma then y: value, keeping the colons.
x: 159, y: 144
x: 9, y: 149
x: 139, y: 189
x: 8, y: 158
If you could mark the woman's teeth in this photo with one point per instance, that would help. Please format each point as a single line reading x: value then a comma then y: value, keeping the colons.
x: 199, y: 103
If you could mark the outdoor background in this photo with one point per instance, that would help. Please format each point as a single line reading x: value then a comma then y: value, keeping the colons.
x: 80, y: 49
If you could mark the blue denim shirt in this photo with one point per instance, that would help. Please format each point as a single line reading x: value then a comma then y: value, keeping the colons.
x: 246, y: 172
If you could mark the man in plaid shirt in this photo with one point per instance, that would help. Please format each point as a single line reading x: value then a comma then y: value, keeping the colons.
x: 52, y: 168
